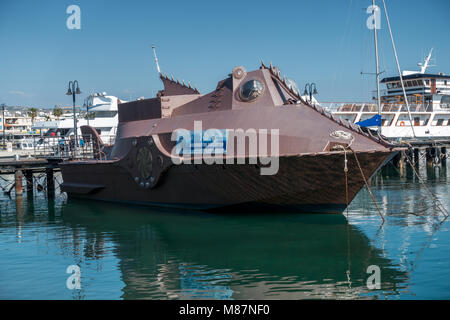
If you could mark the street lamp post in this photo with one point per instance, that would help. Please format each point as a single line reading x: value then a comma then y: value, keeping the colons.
x: 73, y: 90
x: 309, y: 90
x: 86, y: 105
x: 3, y: 126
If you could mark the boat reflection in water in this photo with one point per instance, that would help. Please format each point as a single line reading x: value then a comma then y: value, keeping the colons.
x: 188, y: 255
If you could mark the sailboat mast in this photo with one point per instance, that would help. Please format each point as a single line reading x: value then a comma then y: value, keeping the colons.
x: 376, y: 11
x: 399, y: 70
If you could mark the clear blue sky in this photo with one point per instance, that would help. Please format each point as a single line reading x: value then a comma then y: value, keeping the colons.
x: 322, y: 41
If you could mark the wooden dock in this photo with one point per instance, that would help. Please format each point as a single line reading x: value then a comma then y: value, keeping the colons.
x: 48, y: 152
x: 434, y: 150
x: 27, y: 167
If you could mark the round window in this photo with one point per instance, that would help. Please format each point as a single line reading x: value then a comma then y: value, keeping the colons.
x: 251, y: 90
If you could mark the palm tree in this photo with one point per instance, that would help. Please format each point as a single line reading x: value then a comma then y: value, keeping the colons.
x: 57, y: 112
x: 32, y: 112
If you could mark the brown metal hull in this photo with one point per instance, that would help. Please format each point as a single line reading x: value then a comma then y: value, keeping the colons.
x: 307, y: 141
x: 307, y: 183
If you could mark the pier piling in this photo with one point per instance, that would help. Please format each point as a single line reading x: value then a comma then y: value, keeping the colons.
x: 416, y: 156
x: 429, y: 156
x: 18, y: 183
x: 50, y: 183
x: 29, y: 180
x: 437, y: 156
x: 401, y: 162
x: 396, y: 160
x: 28, y: 167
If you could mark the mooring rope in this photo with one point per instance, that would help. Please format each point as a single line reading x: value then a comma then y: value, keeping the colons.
x: 421, y: 156
x: 346, y: 180
x: 347, y: 136
x: 421, y: 199
x: 367, y: 185
x: 346, y: 174
x: 436, y: 201
x: 7, y: 183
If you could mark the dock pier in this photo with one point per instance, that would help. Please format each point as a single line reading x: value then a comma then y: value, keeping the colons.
x: 25, y: 169
x: 44, y: 159
x: 434, y: 151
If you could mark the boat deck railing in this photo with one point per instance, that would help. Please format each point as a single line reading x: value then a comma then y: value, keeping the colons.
x: 108, y: 140
x: 64, y: 147
x: 354, y: 107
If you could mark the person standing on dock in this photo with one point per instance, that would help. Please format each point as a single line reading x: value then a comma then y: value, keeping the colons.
x: 82, y: 144
x: 61, y: 145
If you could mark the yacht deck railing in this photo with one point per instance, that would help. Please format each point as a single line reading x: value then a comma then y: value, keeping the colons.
x: 354, y: 107
x: 64, y: 147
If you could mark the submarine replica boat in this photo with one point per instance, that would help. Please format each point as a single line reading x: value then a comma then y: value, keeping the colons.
x: 252, y: 143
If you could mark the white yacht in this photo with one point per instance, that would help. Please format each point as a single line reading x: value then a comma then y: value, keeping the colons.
x: 101, y: 114
x: 428, y: 96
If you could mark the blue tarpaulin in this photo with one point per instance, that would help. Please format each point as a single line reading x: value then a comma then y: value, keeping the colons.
x: 372, y: 122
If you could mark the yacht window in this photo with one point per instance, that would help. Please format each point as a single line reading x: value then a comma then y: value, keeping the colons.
x: 427, y: 82
x: 251, y: 90
x: 102, y: 114
x: 419, y: 82
x: 445, y: 102
x: 440, y: 122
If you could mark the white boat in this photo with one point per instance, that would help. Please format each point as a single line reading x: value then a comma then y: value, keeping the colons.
x: 429, y: 105
x: 25, y: 144
x: 102, y: 114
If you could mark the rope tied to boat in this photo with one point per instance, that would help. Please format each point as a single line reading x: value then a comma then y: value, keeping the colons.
x: 435, y: 199
x: 344, y: 135
x: 367, y: 185
x: 346, y: 180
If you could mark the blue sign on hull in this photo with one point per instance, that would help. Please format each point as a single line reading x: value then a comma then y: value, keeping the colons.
x: 212, y: 141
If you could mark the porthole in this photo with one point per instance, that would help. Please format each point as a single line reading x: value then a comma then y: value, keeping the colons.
x: 251, y: 90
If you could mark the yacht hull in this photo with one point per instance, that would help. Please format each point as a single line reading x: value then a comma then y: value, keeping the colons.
x: 251, y: 117
x: 306, y: 183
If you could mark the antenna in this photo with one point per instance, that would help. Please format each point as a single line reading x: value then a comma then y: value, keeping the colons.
x: 424, y: 66
x: 156, y: 59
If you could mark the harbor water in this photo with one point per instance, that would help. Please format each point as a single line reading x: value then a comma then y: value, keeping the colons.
x: 130, y: 252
